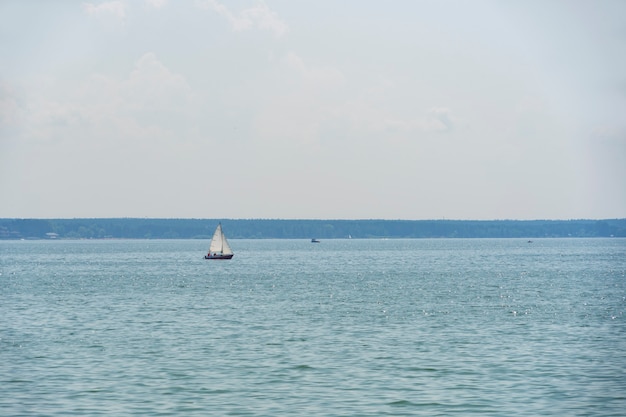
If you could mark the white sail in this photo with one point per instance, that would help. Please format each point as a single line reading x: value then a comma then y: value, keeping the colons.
x: 219, y: 244
x: 226, y: 250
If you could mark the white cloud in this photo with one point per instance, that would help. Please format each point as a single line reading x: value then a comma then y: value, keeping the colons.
x: 152, y: 84
x: 157, y: 4
x: 439, y: 119
x: 609, y: 133
x: 322, y: 76
x: 111, y: 8
x: 8, y: 106
x: 369, y: 118
x: 259, y: 16
x: 152, y: 102
x: 92, y: 135
x: 303, y: 101
x: 320, y: 101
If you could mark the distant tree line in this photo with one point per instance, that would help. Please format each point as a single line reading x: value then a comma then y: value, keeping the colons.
x: 135, y: 228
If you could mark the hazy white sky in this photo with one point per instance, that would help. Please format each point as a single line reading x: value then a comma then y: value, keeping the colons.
x: 313, y: 109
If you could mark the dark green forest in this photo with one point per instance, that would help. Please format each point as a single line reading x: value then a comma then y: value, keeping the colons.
x: 136, y: 228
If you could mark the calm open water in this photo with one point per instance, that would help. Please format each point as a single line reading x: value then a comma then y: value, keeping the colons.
x: 342, y: 328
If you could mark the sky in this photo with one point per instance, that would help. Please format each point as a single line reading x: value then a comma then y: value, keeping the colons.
x: 405, y: 109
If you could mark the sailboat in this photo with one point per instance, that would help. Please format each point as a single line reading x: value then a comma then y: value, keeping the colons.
x: 219, y: 249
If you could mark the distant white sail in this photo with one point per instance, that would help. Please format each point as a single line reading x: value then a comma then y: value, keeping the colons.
x: 219, y: 248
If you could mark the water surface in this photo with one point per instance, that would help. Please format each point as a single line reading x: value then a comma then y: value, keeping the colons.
x: 344, y: 327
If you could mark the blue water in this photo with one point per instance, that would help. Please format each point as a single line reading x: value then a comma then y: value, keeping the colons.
x: 341, y: 328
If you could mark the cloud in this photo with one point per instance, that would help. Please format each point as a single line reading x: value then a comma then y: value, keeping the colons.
x: 609, y: 133
x: 324, y: 77
x: 318, y: 102
x: 92, y: 135
x: 150, y: 103
x: 259, y: 16
x: 111, y: 8
x: 368, y: 118
x: 439, y: 119
x: 298, y: 107
x: 8, y: 106
x: 157, y: 4
x: 152, y: 83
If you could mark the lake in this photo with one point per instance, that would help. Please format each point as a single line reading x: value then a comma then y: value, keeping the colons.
x: 396, y: 327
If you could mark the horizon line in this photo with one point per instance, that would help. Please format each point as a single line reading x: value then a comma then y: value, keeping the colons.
x: 310, y: 219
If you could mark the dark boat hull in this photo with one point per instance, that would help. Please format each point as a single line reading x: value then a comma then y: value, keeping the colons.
x: 218, y: 256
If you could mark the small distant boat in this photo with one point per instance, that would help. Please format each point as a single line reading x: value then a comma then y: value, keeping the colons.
x: 315, y: 241
x: 219, y: 248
